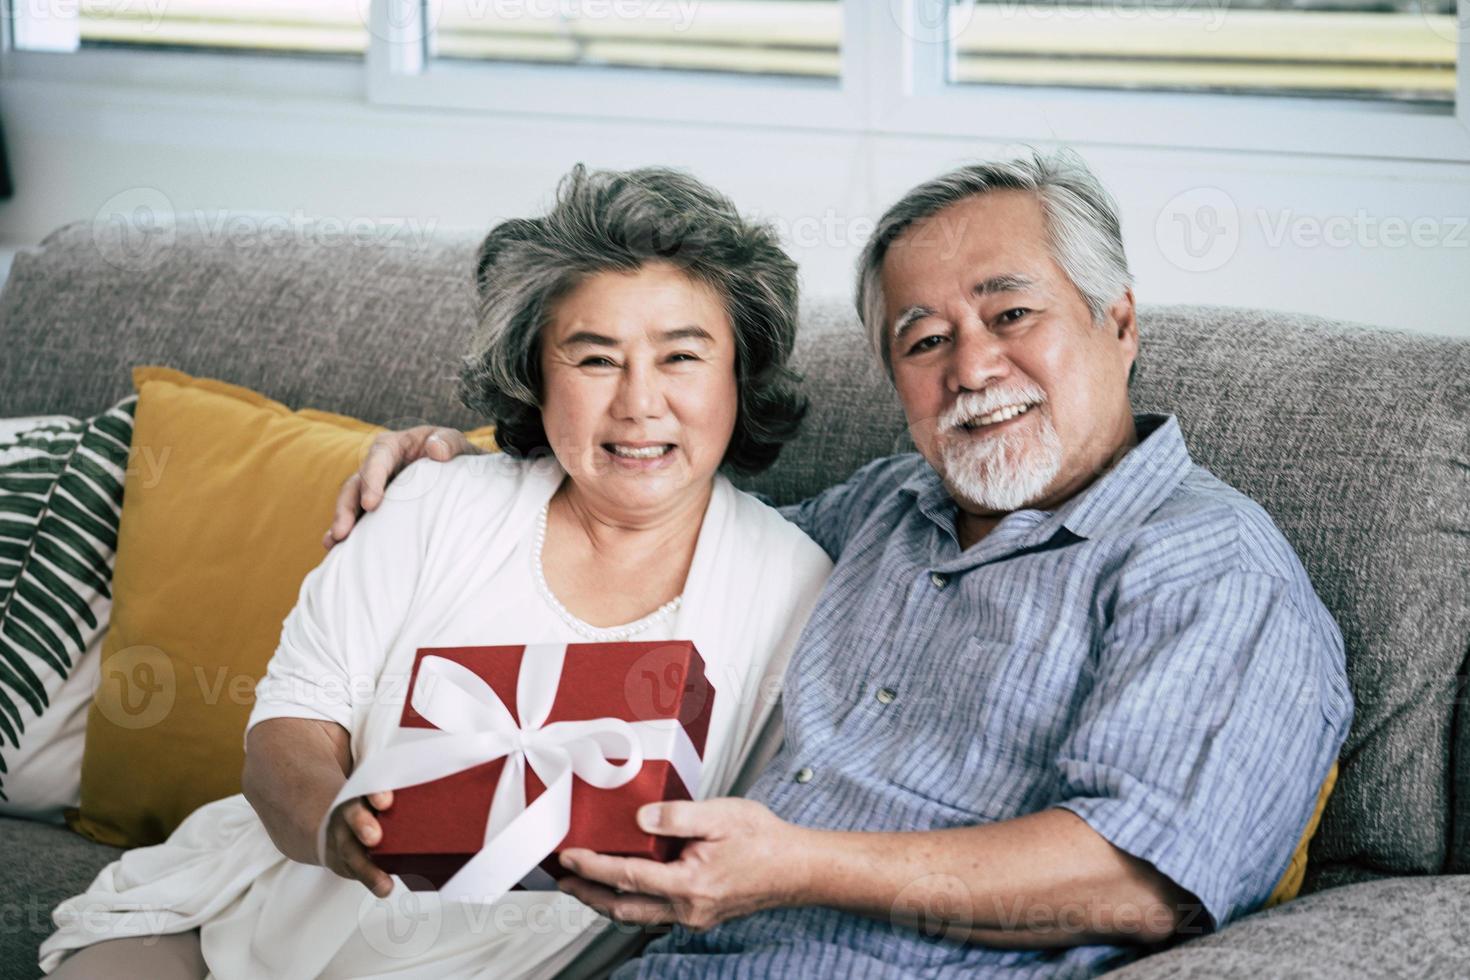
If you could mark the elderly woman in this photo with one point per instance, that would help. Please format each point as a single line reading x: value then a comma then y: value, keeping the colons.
x: 631, y: 344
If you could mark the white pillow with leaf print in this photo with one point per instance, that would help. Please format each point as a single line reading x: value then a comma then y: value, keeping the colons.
x: 61, y: 482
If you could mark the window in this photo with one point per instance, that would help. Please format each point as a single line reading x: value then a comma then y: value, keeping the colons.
x: 768, y: 37
x: 1369, y: 78
x: 1378, y: 49
x: 272, y: 26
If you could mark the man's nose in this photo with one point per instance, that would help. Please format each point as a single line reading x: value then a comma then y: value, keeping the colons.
x: 979, y: 359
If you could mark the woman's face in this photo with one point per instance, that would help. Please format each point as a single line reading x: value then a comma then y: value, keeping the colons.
x: 639, y: 394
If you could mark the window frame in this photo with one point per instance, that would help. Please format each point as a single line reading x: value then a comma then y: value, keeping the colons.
x: 893, y: 82
x: 400, y: 73
x: 1324, y: 126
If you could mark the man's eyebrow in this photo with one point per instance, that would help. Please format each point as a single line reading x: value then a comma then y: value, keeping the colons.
x: 909, y: 316
x: 1005, y: 283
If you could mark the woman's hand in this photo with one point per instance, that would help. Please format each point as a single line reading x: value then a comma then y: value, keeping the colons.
x: 742, y: 858
x: 352, y: 830
x: 391, y: 452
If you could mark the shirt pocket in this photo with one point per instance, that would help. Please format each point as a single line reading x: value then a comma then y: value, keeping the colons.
x: 979, y: 732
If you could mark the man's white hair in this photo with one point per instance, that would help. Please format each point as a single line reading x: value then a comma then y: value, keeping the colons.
x: 1081, y: 224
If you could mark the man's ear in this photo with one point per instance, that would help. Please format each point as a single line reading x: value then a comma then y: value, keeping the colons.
x: 1123, y: 323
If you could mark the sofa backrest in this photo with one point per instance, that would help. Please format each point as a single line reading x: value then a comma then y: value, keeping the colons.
x: 1357, y: 441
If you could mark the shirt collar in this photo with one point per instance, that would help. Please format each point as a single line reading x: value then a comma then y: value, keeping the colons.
x: 1123, y: 497
x: 1120, y: 500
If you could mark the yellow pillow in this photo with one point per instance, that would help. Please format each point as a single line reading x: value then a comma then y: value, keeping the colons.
x: 1286, y: 889
x: 226, y: 497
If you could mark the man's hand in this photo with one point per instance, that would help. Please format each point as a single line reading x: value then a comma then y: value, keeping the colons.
x: 353, y: 829
x: 390, y: 452
x: 741, y: 858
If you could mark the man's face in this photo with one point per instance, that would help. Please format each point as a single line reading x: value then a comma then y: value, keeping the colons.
x: 1013, y: 393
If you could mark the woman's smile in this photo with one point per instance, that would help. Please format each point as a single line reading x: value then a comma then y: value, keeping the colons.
x: 641, y: 457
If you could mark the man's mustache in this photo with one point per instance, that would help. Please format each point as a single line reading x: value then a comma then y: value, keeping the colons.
x: 973, y: 404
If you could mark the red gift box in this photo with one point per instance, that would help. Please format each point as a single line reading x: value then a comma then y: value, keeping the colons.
x: 434, y: 828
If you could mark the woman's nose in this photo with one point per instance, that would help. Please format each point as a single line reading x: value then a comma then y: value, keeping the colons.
x: 639, y: 394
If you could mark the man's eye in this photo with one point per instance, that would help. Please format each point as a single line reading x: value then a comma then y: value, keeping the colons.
x: 1012, y: 315
x: 596, y: 362
x: 683, y: 357
x: 927, y: 343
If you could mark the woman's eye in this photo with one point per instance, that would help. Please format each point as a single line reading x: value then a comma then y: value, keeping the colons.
x: 683, y: 357
x: 596, y: 362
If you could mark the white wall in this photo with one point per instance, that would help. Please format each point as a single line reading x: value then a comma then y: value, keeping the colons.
x: 1391, y: 244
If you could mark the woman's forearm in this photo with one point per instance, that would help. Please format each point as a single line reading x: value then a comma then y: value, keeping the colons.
x: 293, y: 769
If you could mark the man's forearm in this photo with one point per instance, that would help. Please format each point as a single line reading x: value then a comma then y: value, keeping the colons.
x: 294, y: 767
x: 1043, y: 880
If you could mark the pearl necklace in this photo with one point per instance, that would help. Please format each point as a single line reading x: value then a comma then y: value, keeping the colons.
x: 611, y: 634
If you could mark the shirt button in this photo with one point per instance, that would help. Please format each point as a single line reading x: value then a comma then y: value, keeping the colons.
x: 886, y: 695
x: 804, y: 774
x: 940, y: 581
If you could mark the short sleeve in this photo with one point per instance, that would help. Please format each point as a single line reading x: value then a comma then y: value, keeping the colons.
x: 335, y: 640
x: 1210, y: 724
x: 833, y: 516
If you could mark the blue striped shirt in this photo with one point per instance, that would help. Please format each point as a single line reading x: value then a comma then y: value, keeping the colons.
x: 1150, y: 656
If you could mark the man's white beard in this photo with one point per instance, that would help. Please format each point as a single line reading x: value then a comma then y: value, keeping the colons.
x: 1005, y: 471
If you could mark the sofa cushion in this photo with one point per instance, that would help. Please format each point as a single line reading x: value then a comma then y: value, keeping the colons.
x: 43, y: 865
x: 198, y: 600
x: 1406, y: 927
x: 1357, y: 442
x: 61, y: 485
x: 221, y: 520
x: 367, y: 330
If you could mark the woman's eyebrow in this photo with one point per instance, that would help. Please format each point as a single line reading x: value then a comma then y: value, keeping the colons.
x: 588, y: 338
x: 691, y: 332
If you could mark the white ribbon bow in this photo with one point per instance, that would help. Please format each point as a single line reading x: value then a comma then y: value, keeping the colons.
x: 474, y: 727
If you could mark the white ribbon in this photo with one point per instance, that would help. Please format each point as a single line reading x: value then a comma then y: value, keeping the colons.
x: 474, y: 727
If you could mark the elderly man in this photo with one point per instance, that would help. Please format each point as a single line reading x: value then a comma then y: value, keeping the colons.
x: 1065, y: 693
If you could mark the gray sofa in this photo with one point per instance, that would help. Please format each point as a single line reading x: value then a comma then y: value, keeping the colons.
x: 1356, y: 440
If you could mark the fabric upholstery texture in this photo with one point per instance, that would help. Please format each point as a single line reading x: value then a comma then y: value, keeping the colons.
x: 44, y: 863
x: 1401, y: 927
x: 1357, y: 441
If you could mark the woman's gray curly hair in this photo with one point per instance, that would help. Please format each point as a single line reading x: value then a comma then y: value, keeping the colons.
x: 606, y: 220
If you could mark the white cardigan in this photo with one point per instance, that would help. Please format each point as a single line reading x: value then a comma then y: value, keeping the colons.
x: 445, y: 562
